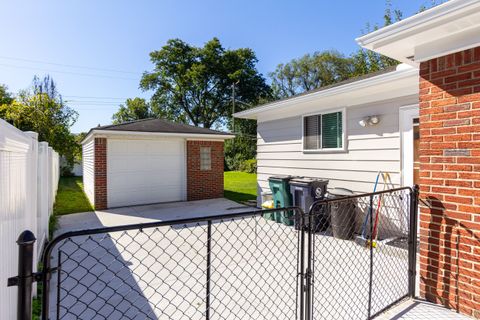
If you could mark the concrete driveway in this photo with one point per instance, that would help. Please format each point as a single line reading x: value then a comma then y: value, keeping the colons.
x: 160, y: 273
x: 148, y: 213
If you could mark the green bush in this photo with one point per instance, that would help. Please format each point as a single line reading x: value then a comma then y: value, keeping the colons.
x: 239, y: 150
x: 66, y: 171
x: 249, y: 166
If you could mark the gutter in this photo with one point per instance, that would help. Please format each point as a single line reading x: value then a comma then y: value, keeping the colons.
x: 421, y: 20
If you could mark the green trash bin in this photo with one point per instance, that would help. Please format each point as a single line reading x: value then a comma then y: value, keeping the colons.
x: 281, y: 198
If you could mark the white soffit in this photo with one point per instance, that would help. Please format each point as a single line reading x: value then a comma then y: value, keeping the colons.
x: 450, y: 27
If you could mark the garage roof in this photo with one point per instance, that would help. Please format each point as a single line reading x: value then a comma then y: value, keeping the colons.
x: 160, y: 127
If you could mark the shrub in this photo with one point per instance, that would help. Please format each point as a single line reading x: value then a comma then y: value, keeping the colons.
x: 66, y: 171
x: 249, y: 166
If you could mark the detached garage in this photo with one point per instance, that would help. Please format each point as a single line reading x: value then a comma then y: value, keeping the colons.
x: 152, y: 161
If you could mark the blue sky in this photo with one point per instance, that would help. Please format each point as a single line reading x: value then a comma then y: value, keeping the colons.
x: 112, y: 39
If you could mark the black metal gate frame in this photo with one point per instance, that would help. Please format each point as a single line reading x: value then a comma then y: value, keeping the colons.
x: 412, y: 248
x: 47, y: 270
x: 304, y: 258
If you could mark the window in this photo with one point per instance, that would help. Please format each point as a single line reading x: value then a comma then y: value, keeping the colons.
x: 205, y: 158
x: 323, y: 131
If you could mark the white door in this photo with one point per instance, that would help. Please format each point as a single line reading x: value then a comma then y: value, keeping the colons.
x: 410, y: 139
x: 145, y: 171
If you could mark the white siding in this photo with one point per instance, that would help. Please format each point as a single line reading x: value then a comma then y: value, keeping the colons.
x: 88, y: 159
x: 369, y: 149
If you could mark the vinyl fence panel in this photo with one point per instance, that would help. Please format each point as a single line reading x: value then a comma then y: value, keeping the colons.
x: 29, y: 176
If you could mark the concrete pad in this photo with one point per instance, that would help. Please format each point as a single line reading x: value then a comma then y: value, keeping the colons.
x: 148, y: 213
x: 420, y: 310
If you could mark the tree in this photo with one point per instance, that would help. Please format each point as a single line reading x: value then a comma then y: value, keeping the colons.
x: 194, y: 85
x: 41, y: 109
x: 5, y: 96
x: 310, y: 72
x: 367, y: 61
x: 133, y: 109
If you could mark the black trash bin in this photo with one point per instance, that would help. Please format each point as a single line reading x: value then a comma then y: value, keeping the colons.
x: 306, y: 191
x: 342, y: 213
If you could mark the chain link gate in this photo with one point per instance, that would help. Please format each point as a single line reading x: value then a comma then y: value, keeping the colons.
x: 237, y: 266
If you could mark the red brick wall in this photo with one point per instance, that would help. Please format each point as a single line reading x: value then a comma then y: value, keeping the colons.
x: 204, y: 184
x: 100, y: 189
x: 450, y: 181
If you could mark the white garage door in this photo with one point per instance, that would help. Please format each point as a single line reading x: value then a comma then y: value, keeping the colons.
x: 145, y: 171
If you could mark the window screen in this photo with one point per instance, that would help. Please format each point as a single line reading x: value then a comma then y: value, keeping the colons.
x: 205, y: 158
x: 323, y: 131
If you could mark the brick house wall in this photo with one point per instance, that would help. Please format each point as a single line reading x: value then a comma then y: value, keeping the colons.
x: 100, y: 177
x: 204, y: 184
x: 450, y: 181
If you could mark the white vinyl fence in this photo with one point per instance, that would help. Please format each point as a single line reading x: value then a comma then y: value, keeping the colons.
x: 29, y: 173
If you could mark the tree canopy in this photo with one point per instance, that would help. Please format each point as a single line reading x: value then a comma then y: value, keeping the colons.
x: 41, y: 109
x: 194, y: 84
x: 310, y: 72
x: 133, y: 109
x: 5, y: 96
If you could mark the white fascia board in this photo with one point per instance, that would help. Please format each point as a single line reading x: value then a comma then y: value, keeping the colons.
x: 434, y: 29
x: 117, y: 133
x: 383, y: 80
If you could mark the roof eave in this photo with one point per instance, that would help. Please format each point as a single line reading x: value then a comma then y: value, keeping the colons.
x: 403, y: 40
x: 401, y: 72
x: 110, y: 133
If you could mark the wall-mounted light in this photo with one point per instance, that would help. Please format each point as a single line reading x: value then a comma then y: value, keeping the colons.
x: 369, y: 121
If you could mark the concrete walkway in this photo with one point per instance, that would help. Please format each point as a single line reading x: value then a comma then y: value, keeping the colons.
x: 420, y: 310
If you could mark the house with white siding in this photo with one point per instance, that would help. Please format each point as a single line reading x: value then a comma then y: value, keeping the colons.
x: 419, y: 123
x: 345, y: 133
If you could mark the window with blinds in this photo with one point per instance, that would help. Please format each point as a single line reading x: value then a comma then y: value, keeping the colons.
x: 323, y: 131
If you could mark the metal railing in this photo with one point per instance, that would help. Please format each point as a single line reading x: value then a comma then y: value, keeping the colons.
x: 264, y: 264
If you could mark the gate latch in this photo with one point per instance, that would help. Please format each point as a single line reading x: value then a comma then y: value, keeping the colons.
x: 36, y: 277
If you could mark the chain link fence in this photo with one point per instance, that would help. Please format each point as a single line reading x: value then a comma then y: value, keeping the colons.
x: 231, y: 267
x: 348, y: 258
x: 360, y: 258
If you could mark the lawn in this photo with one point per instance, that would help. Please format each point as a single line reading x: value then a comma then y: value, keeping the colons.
x: 240, y: 186
x: 70, y: 197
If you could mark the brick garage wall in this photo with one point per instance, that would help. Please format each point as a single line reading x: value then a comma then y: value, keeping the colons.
x: 204, y: 184
x: 100, y: 167
x: 450, y: 181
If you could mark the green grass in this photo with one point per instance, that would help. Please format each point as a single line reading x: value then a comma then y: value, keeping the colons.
x: 240, y: 186
x: 70, y: 197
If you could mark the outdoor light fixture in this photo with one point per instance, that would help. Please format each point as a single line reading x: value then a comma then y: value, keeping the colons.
x: 374, y: 120
x: 369, y: 121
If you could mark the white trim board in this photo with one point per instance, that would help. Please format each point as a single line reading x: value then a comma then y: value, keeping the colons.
x: 407, y: 114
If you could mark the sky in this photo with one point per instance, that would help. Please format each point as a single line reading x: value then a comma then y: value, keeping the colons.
x: 96, y: 51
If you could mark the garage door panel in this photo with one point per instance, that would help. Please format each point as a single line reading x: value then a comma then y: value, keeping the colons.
x: 143, y: 178
x: 147, y: 147
x: 144, y: 164
x: 145, y: 171
x: 144, y: 195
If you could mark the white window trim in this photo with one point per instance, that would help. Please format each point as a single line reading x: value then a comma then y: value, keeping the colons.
x: 344, y: 132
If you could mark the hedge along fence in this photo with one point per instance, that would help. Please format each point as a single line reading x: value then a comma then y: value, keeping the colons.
x: 29, y: 173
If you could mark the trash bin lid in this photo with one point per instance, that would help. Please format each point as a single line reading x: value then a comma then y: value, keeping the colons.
x: 280, y: 177
x: 301, y: 180
x: 340, y: 192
